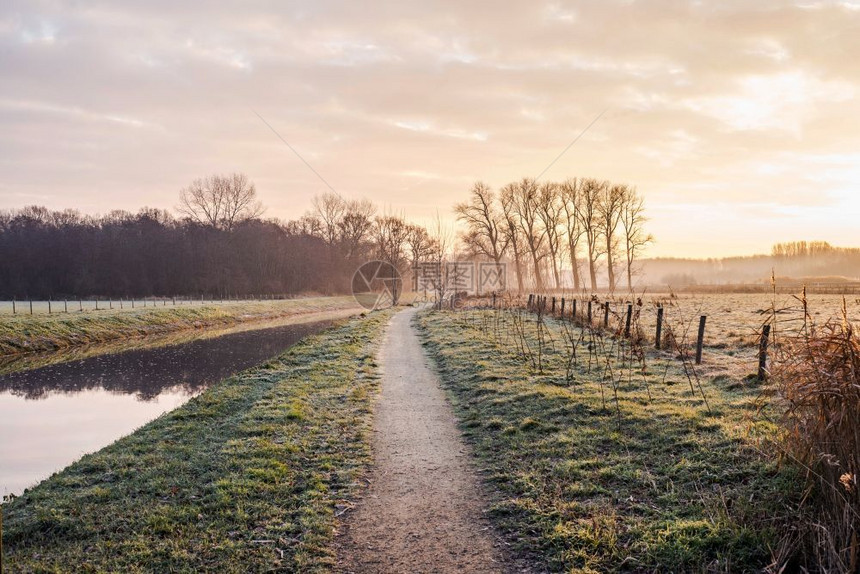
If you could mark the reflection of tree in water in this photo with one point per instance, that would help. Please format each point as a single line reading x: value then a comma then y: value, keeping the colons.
x: 147, y: 373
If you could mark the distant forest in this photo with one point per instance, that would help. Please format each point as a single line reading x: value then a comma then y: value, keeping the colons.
x: 59, y: 254
x: 219, y: 245
x: 792, y: 262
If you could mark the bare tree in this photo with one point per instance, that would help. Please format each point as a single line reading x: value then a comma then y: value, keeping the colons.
x: 355, y: 226
x: 391, y: 234
x: 632, y: 222
x: 570, y: 205
x: 220, y: 201
x: 329, y: 208
x: 609, y: 207
x: 549, y: 213
x: 525, y: 201
x: 511, y: 231
x: 485, y: 234
x: 421, y: 245
x: 590, y: 192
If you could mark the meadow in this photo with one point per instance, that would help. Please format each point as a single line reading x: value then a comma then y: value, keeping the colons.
x: 609, y: 455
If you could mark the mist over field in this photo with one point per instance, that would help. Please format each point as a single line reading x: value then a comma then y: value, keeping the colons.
x: 790, y: 268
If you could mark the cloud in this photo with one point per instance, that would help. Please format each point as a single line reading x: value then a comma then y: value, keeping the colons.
x: 75, y: 113
x: 408, y: 102
x: 781, y: 102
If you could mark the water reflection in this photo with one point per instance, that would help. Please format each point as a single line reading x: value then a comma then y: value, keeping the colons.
x: 50, y: 416
x: 146, y: 373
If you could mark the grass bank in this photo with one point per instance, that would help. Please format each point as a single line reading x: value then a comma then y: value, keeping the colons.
x: 616, y: 469
x: 244, y: 478
x: 34, y: 333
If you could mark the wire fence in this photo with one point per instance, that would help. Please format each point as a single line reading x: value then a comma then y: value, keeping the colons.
x: 81, y: 305
x: 741, y: 327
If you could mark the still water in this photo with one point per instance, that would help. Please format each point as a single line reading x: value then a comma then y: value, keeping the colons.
x: 52, y: 415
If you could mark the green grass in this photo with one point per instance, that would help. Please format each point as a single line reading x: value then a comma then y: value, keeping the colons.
x: 33, y: 333
x: 243, y: 478
x: 582, y: 484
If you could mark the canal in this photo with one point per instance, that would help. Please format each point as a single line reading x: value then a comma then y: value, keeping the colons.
x: 54, y: 408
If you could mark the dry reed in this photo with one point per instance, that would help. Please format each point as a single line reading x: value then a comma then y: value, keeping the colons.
x: 818, y: 378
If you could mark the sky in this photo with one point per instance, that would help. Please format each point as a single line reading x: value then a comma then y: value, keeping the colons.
x: 737, y: 121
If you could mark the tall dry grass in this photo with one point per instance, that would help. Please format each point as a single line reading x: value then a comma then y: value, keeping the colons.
x: 818, y: 377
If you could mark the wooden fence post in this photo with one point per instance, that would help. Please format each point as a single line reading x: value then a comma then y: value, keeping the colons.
x: 606, y: 316
x: 658, y: 338
x: 762, y: 353
x: 49, y: 306
x: 14, y: 311
x: 627, y: 322
x: 701, y: 339
x: 553, y: 306
x: 562, y: 308
x: 589, y: 312
x: 573, y: 309
x: 31, y: 306
x: 66, y: 305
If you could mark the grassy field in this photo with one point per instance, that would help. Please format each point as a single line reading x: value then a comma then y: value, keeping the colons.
x: 34, y: 333
x: 617, y: 468
x: 246, y: 477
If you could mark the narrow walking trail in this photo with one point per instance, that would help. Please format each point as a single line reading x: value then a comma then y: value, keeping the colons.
x: 423, y: 510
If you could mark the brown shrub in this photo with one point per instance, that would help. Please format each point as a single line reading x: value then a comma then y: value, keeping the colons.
x: 818, y: 377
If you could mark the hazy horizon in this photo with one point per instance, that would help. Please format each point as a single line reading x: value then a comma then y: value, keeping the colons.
x: 736, y: 122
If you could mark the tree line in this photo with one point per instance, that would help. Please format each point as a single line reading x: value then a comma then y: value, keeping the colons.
x: 219, y: 243
x: 790, y: 262
x: 585, y: 224
x: 54, y: 254
x: 809, y: 249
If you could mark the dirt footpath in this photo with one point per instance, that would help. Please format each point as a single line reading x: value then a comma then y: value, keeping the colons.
x: 423, y: 511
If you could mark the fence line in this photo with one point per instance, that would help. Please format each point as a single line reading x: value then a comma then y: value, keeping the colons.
x: 556, y: 306
x: 52, y: 306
